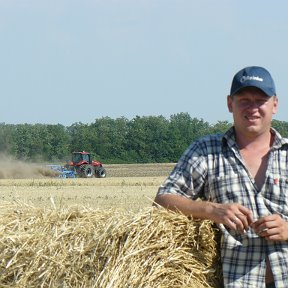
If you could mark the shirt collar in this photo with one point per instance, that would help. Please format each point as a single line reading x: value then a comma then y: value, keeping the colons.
x: 229, y: 138
x: 279, y: 141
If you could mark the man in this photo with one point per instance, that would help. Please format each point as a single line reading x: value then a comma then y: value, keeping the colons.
x: 242, y: 178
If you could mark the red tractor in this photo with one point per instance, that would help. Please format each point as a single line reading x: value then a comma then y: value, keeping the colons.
x: 85, y: 167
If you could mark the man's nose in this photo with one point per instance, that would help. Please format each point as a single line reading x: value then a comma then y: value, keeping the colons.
x: 253, y: 105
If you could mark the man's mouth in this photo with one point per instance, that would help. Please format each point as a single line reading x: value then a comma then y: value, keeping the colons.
x: 251, y: 118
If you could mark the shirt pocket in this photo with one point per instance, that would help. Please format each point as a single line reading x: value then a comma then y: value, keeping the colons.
x: 277, y: 194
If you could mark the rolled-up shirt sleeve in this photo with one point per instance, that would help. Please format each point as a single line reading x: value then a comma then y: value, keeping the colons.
x: 188, y: 176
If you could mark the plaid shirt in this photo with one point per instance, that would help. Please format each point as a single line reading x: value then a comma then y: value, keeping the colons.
x: 213, y: 169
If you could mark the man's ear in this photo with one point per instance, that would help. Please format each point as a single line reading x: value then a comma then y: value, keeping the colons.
x: 229, y: 103
x: 275, y: 107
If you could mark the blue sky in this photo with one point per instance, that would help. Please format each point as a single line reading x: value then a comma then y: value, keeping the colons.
x: 67, y: 61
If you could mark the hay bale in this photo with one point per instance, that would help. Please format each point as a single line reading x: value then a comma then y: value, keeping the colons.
x: 81, y: 247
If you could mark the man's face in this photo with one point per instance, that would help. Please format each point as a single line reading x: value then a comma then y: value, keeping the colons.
x: 252, y: 110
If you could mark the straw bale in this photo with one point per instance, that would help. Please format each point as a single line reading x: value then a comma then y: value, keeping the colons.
x: 81, y: 247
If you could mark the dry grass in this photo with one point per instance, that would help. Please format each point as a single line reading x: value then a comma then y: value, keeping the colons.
x: 101, y: 233
x: 72, y: 182
x: 129, y: 193
x: 76, y: 247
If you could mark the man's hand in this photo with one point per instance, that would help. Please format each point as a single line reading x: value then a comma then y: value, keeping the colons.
x: 271, y: 227
x: 235, y: 216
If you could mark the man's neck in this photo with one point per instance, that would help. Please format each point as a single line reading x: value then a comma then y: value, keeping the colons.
x: 254, y: 141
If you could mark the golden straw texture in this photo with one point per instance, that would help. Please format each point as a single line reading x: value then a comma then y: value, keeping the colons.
x: 81, y: 247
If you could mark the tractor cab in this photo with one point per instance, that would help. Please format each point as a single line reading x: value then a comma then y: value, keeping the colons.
x: 79, y: 158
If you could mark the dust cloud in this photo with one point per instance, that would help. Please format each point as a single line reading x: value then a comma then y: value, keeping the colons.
x: 14, y: 169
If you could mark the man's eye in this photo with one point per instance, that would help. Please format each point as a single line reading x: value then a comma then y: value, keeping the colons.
x: 243, y: 101
x: 261, y: 102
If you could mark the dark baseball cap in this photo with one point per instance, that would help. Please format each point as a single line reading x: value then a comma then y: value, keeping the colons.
x: 253, y: 76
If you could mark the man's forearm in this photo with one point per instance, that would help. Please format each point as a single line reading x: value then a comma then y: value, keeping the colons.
x: 196, y: 209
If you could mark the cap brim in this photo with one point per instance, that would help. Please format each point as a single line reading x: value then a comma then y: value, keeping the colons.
x: 266, y: 91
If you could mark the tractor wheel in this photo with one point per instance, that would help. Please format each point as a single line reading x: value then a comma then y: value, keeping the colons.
x: 87, y: 171
x: 100, y: 172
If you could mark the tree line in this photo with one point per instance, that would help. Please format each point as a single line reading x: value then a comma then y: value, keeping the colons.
x: 147, y: 139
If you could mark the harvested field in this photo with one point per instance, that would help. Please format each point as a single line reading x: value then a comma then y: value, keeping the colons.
x: 101, y: 233
x: 139, y: 170
x: 128, y: 194
x: 129, y: 187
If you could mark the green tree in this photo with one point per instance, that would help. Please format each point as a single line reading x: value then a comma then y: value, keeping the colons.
x: 7, y: 144
x: 81, y: 137
x: 23, y: 138
x: 281, y: 127
x: 183, y: 130
x: 147, y: 139
x: 220, y: 127
x: 56, y: 145
x: 111, y: 138
x: 140, y: 140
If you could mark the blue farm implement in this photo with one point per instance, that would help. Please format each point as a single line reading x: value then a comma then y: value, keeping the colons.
x: 62, y: 171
